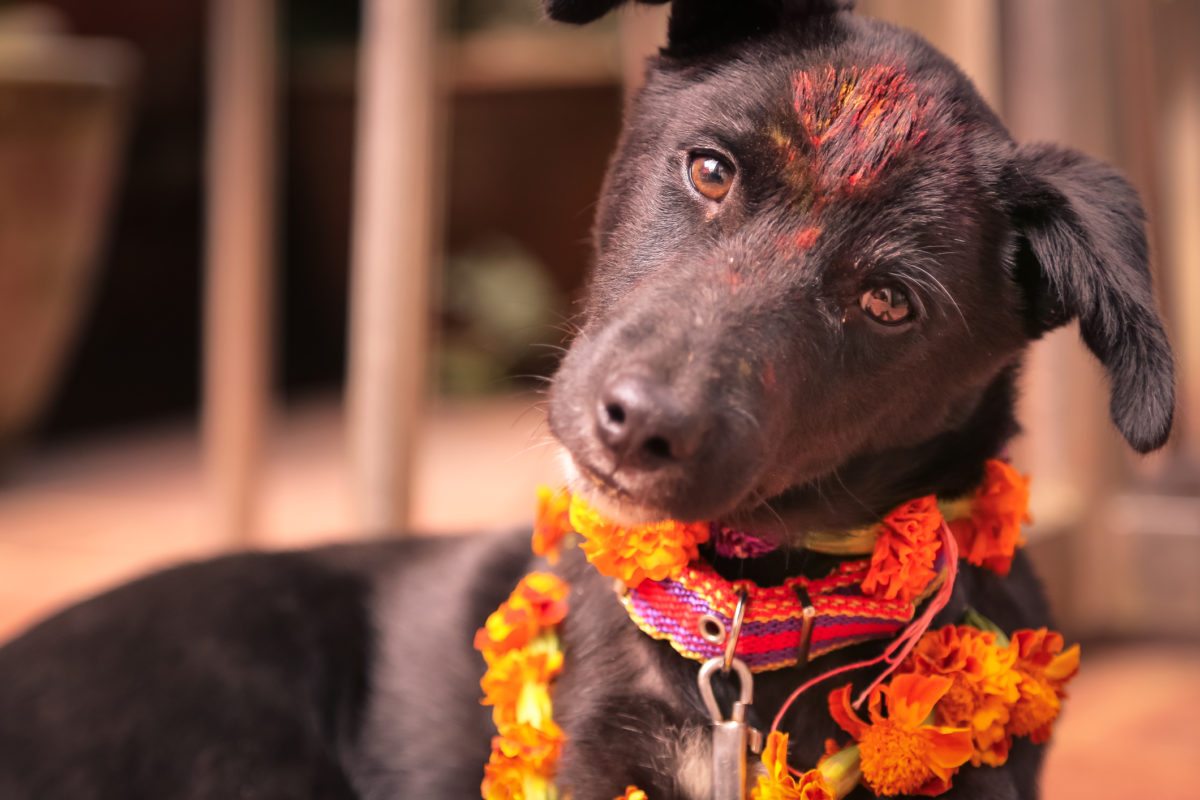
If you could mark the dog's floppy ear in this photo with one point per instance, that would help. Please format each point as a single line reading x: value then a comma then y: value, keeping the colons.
x: 1084, y: 256
x: 700, y: 25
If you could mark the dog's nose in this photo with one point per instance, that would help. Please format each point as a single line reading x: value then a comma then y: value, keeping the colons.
x: 643, y: 424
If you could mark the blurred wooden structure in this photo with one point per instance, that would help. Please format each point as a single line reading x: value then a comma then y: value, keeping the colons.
x: 393, y: 254
x: 239, y: 275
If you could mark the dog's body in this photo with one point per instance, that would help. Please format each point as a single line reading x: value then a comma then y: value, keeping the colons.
x: 819, y: 258
x: 349, y: 672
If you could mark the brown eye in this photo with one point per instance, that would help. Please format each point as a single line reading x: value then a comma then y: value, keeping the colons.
x: 887, y: 305
x: 711, y: 175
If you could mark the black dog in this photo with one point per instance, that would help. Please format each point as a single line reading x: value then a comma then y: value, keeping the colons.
x: 819, y: 259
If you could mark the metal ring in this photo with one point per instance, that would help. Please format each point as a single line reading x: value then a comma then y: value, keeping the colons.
x: 712, y: 629
x: 745, y: 679
x: 735, y: 630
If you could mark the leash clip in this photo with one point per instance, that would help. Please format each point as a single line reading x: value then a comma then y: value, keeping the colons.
x: 732, y: 737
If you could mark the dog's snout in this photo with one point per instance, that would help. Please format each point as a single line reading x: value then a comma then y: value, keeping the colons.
x: 643, y: 424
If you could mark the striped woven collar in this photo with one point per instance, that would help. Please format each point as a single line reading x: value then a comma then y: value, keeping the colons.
x: 784, y: 626
x: 673, y: 594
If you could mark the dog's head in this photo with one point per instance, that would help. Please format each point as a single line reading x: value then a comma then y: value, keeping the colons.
x: 817, y: 246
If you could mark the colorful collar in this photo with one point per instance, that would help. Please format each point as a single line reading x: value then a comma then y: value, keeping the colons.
x: 672, y: 594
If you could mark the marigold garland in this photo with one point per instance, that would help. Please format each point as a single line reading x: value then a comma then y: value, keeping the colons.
x: 634, y: 553
x: 992, y: 533
x: 983, y: 688
x: 972, y: 683
x: 778, y: 784
x: 1044, y: 668
x: 519, y: 644
x: 963, y: 694
x: 901, y: 753
x: 538, y: 602
x: 552, y: 524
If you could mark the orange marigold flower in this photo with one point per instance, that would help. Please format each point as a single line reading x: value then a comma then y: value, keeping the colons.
x: 778, y: 783
x: 900, y: 753
x: 537, y: 747
x: 992, y: 533
x: 545, y: 595
x: 635, y: 553
x: 632, y: 793
x: 552, y: 523
x: 538, y: 602
x: 983, y: 688
x: 516, y: 685
x: 508, y: 627
x: 905, y: 552
x: 503, y: 778
x: 1045, y: 668
x: 510, y: 778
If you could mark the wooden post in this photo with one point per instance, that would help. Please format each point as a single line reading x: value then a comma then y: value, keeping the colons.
x: 392, y: 252
x: 239, y: 256
x: 1180, y: 180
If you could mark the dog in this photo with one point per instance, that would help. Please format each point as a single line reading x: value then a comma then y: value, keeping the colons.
x: 819, y: 258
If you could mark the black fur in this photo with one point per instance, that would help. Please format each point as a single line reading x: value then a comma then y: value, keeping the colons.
x: 750, y: 387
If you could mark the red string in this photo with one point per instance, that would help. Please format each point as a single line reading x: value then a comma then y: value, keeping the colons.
x: 898, y: 650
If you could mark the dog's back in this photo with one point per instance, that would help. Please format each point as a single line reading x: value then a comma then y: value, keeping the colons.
x: 250, y: 676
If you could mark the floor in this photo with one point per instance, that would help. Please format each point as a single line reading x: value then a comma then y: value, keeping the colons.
x: 73, y: 521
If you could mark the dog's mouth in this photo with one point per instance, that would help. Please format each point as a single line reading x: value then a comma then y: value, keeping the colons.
x: 604, y: 492
x: 628, y: 506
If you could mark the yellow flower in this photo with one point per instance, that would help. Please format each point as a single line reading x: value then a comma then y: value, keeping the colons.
x: 632, y: 793
x: 984, y: 685
x: 552, y: 523
x: 653, y: 551
x: 900, y: 753
x: 778, y: 783
x: 1045, y: 668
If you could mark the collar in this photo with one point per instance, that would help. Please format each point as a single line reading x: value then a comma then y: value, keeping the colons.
x: 672, y: 594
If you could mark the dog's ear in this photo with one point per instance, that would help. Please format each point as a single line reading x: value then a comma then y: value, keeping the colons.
x: 1083, y: 255
x: 700, y: 25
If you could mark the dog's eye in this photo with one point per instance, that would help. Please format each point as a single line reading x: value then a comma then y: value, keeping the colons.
x: 887, y: 305
x: 711, y: 175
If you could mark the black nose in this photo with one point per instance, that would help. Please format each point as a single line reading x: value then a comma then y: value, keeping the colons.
x: 644, y: 425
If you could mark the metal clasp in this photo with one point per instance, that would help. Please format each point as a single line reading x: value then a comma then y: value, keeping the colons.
x: 732, y: 737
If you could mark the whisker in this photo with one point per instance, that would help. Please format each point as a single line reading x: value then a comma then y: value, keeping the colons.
x: 942, y: 287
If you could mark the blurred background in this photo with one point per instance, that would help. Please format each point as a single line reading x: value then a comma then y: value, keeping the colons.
x: 282, y: 272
